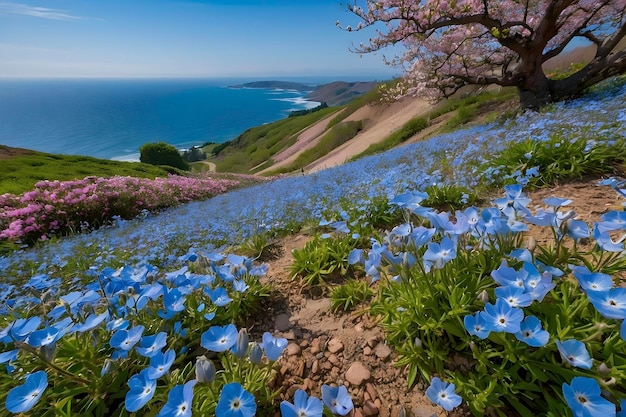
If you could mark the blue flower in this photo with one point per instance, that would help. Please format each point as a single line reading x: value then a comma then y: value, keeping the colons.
x: 611, y: 304
x: 23, y: 398
x: 256, y: 353
x: 592, y: 281
x: 160, y: 363
x: 205, y: 370
x: 501, y: 317
x: 438, y: 254
x: 337, y: 399
x: 235, y: 401
x: 622, y: 330
x: 151, y: 345
x: 583, y: 397
x: 475, y: 325
x: 442, y: 394
x: 141, y: 391
x: 577, y: 229
x: 575, y: 353
x: 604, y: 241
x: 126, y: 339
x: 240, y: 349
x: 514, y: 296
x: 302, y: 406
x: 557, y: 201
x: 273, y: 346
x: 92, y: 322
x: 219, y: 338
x: 44, y: 337
x: 219, y: 296
x: 531, y: 332
x: 179, y: 401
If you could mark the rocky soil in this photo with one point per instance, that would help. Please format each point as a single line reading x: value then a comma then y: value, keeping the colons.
x: 350, y: 349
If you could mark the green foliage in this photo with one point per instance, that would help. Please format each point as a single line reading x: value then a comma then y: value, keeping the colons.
x: 448, y: 197
x: 262, y: 246
x: 322, y: 260
x: 347, y: 296
x: 558, y: 158
x: 161, y: 153
x: 21, y: 172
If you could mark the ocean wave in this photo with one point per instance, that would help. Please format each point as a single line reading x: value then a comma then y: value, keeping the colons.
x: 300, y: 101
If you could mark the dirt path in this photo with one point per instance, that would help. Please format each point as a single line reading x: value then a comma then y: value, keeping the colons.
x: 379, y: 121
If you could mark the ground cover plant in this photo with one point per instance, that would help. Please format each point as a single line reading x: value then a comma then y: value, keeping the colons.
x: 460, y: 295
x: 56, y: 208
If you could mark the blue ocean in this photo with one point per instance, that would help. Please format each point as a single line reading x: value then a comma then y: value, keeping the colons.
x: 112, y: 118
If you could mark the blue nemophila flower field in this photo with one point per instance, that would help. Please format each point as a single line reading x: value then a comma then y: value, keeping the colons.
x: 148, y: 316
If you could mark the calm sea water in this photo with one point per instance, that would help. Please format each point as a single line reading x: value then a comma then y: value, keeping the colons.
x: 112, y: 118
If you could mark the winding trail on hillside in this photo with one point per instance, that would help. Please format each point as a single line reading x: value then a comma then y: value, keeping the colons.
x: 307, y: 139
x: 379, y: 121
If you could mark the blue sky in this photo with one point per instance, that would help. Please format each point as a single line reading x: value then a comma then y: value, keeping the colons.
x: 161, y: 38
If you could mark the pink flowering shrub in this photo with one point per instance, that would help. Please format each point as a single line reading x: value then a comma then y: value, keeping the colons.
x: 56, y: 207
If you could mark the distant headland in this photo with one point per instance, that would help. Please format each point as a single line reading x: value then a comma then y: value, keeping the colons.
x: 334, y: 94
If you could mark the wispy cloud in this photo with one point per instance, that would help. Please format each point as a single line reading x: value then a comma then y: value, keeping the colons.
x: 35, y: 11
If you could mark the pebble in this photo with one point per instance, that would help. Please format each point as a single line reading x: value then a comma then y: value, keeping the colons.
x: 382, y: 351
x: 371, y: 390
x: 367, y: 350
x: 370, y: 409
x: 357, y: 374
x: 335, y: 346
x: 372, y: 341
x: 282, y: 323
x: 315, y: 367
x: 334, y: 360
x: 293, y: 349
x: 421, y: 411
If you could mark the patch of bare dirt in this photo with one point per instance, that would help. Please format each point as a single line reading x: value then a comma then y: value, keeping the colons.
x: 7, y: 152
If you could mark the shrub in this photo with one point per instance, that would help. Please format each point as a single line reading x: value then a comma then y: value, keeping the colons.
x: 161, y: 153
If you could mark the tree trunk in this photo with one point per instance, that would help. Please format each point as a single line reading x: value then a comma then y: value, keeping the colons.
x: 533, y: 87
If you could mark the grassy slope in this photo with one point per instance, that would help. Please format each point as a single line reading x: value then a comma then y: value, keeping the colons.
x: 21, y: 170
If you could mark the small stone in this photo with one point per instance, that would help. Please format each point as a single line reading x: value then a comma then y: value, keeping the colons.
x: 315, y: 367
x: 372, y: 341
x: 382, y: 351
x: 299, y: 369
x: 335, y: 346
x: 371, y: 390
x: 357, y: 374
x: 334, y: 360
x: 315, y: 346
x: 282, y: 323
x: 422, y: 411
x: 293, y: 349
x: 370, y: 409
x: 367, y: 350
